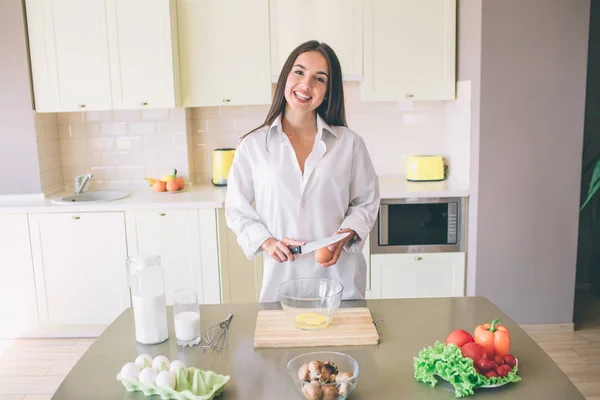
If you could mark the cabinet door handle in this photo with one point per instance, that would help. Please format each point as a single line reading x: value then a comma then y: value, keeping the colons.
x: 81, y: 105
x: 226, y: 100
x: 418, y: 258
x: 162, y: 214
x: 76, y: 217
x: 144, y: 103
x: 409, y: 95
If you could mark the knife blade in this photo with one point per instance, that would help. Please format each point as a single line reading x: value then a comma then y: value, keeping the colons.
x: 317, y: 244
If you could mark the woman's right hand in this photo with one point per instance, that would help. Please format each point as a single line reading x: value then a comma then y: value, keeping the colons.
x: 279, y: 249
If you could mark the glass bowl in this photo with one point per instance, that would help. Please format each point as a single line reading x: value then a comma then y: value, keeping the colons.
x: 311, y: 303
x: 321, y: 366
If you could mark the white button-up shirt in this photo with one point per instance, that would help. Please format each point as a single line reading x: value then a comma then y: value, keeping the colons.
x: 268, y: 196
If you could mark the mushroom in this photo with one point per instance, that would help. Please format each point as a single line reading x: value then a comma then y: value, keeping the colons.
x: 318, y: 371
x: 344, y: 379
x: 330, y: 392
x: 312, y: 390
x: 303, y: 373
x: 343, y: 376
x: 333, y: 369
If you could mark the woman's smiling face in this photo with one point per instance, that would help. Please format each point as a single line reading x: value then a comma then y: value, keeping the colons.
x: 307, y: 83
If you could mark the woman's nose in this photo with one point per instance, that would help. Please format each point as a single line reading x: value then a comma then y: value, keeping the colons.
x: 306, y: 82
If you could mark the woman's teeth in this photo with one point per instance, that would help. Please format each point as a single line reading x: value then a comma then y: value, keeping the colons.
x: 302, y: 97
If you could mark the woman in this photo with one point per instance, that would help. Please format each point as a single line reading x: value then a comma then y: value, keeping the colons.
x: 309, y: 177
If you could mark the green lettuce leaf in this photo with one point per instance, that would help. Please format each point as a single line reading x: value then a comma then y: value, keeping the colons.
x: 447, y: 362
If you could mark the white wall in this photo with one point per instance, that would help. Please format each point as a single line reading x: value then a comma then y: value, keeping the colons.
x: 19, y: 166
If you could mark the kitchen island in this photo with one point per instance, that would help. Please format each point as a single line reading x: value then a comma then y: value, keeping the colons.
x: 386, y: 369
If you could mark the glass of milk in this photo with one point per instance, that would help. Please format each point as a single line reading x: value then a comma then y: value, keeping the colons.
x: 186, y: 314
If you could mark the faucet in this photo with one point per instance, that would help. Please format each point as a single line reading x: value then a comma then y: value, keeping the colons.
x: 81, y: 181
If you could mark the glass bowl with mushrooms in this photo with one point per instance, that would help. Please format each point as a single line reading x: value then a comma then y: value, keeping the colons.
x: 311, y: 303
x: 323, y: 375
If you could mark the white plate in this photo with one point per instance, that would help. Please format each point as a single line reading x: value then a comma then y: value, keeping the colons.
x: 499, y: 384
x: 185, y: 189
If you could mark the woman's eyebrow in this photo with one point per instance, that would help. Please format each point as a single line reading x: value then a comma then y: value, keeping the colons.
x: 304, y: 68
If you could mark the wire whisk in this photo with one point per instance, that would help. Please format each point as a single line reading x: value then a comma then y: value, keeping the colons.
x: 216, y: 335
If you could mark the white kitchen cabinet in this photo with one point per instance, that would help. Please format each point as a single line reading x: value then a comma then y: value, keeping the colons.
x: 186, y: 240
x: 142, y: 37
x: 224, y: 52
x: 80, y: 267
x: 417, y: 275
x: 103, y: 54
x: 335, y: 22
x: 241, y: 278
x: 18, y: 307
x: 409, y: 50
x: 69, y: 55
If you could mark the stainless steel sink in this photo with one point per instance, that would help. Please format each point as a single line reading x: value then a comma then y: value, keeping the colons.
x: 91, y: 197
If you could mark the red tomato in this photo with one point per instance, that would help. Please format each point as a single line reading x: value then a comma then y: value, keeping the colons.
x: 503, y: 370
x: 473, y: 351
x: 483, y: 364
x: 510, y: 360
x: 459, y: 337
x: 491, y: 373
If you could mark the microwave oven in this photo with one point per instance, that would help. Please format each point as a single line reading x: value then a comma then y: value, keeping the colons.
x: 421, y: 225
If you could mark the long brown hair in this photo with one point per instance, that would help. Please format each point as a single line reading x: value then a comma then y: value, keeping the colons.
x: 332, y: 108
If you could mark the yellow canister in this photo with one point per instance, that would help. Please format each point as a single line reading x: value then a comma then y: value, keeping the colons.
x: 222, y: 160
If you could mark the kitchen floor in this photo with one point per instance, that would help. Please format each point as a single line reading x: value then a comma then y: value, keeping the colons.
x: 32, y: 369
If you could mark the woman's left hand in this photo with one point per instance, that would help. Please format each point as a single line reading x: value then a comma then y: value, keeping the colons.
x: 337, y: 247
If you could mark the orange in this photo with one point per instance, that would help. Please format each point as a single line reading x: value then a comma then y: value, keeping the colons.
x: 159, y: 186
x: 172, y: 186
x: 180, y: 183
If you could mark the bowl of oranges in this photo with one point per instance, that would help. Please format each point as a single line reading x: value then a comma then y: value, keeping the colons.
x: 167, y: 183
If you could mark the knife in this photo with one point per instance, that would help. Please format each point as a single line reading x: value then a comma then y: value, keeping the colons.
x: 317, y: 244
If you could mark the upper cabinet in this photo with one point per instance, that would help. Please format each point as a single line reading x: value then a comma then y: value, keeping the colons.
x: 143, y: 52
x: 335, y: 22
x: 409, y: 50
x: 131, y: 54
x: 69, y: 55
x: 224, y: 52
x: 101, y: 54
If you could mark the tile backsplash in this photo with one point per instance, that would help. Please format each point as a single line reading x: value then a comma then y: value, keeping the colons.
x: 48, y: 144
x: 121, y: 148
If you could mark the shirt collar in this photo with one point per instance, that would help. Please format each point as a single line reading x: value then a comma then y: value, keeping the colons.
x: 321, y: 125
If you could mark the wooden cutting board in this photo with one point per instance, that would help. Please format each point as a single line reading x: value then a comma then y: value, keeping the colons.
x: 350, y: 327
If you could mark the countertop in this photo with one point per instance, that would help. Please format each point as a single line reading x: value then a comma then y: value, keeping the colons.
x: 397, y: 187
x: 209, y: 196
x: 386, y: 369
x: 202, y: 196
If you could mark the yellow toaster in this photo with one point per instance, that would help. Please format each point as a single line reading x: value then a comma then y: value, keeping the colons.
x: 222, y: 161
x: 425, y: 168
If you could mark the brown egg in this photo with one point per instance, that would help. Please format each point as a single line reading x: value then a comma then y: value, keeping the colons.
x: 323, y: 255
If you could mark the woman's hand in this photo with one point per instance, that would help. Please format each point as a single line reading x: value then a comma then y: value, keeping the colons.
x: 279, y: 249
x: 337, y: 247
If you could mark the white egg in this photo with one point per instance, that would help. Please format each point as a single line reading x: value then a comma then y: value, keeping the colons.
x: 175, y: 365
x: 130, y: 371
x: 148, y: 376
x: 143, y: 357
x: 156, y: 363
x: 165, y: 379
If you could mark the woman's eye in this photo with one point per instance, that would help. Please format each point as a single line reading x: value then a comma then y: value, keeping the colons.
x: 321, y: 80
x: 299, y: 72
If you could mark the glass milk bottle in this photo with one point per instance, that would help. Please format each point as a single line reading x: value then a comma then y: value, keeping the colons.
x: 145, y: 278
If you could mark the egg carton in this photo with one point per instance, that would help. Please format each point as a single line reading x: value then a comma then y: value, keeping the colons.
x: 190, y: 384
